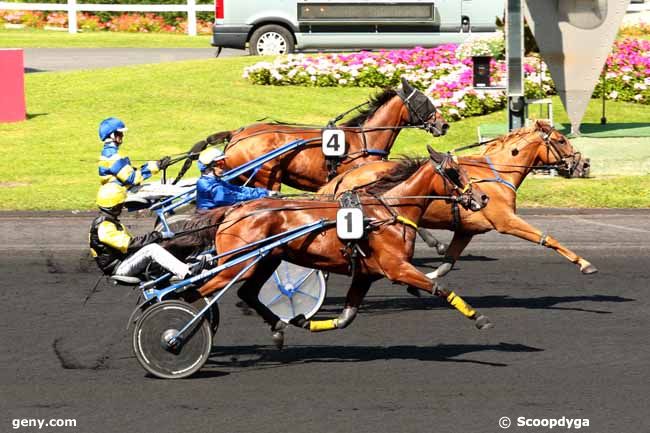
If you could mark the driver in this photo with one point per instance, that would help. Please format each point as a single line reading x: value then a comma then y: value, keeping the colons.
x: 212, y: 191
x: 117, y: 252
x: 115, y: 168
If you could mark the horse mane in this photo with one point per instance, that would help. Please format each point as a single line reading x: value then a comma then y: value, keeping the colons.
x: 404, y: 169
x: 497, y: 144
x: 374, y: 103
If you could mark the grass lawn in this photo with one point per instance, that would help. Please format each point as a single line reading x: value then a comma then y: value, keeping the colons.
x: 35, y: 38
x: 49, y: 161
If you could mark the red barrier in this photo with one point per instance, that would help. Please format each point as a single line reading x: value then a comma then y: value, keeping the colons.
x: 12, y: 85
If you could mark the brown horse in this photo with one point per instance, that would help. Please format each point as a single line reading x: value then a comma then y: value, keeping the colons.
x: 501, y: 169
x: 369, y: 137
x: 392, y: 210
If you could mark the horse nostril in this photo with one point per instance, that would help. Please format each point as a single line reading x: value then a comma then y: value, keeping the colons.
x: 445, y: 127
x: 485, y: 199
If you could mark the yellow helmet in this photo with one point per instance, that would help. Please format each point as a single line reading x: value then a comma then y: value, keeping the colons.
x: 111, y: 195
x: 210, y: 155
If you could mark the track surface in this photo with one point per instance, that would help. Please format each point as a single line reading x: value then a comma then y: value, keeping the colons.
x: 564, y: 344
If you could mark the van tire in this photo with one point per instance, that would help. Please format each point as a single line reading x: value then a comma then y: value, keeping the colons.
x: 278, y: 39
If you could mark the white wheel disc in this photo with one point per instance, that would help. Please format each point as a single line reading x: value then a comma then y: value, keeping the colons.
x: 294, y: 290
x: 271, y: 43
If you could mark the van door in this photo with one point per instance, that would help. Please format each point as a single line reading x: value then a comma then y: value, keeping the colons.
x: 481, y: 14
x: 377, y: 24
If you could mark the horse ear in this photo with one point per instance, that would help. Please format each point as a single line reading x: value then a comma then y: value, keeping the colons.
x: 435, y: 156
x: 406, y: 85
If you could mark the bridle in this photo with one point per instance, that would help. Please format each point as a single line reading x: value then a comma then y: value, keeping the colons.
x: 570, y: 161
x: 420, y: 110
x: 464, y: 191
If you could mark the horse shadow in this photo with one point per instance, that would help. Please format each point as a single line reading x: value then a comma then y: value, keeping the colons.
x: 258, y: 356
x: 389, y: 305
x: 428, y: 261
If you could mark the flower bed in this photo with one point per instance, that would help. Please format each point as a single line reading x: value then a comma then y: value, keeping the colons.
x: 628, y: 72
x: 127, y: 22
x: 440, y: 72
x: 445, y: 73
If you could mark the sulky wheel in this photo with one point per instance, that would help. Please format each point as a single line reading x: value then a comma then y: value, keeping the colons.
x: 294, y: 290
x: 155, y: 328
x: 212, y: 314
x: 175, y: 222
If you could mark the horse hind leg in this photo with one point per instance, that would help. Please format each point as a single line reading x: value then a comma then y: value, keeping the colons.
x: 356, y: 293
x: 249, y: 293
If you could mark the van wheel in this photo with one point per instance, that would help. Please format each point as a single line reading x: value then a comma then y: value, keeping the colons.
x: 271, y: 40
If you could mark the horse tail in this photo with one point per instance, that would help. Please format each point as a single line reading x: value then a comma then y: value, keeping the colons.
x: 193, y: 154
x: 197, y: 234
x: 219, y: 137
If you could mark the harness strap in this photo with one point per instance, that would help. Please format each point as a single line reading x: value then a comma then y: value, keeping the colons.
x: 497, y: 177
x: 378, y: 152
x: 407, y: 221
x: 455, y: 216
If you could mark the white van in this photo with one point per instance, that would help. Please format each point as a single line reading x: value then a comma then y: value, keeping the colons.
x: 284, y: 26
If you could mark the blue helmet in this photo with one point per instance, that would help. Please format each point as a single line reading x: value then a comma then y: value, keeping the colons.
x: 109, y: 126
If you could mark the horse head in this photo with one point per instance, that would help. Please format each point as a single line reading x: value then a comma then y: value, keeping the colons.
x: 421, y: 110
x: 558, y: 150
x: 470, y: 196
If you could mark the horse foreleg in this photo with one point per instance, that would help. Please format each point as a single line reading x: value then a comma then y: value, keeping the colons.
x: 410, y: 275
x: 516, y: 226
x: 356, y: 293
x: 456, y: 247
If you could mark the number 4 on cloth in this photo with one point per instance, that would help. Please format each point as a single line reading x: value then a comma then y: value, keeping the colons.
x: 333, y: 142
x: 349, y: 223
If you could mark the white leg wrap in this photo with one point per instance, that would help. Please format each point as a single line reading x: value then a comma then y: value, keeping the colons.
x: 440, y: 272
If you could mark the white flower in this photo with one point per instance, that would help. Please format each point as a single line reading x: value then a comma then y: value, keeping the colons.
x: 610, y: 75
x: 453, y: 112
x: 613, y: 95
x: 640, y: 86
x: 343, y: 81
x: 462, y: 105
x: 638, y: 97
x: 313, y: 78
x: 646, y: 81
x: 626, y: 78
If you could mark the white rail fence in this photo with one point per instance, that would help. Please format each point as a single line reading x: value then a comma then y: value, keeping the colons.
x: 72, y: 7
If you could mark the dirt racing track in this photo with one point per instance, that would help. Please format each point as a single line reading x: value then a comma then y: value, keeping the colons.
x: 564, y: 344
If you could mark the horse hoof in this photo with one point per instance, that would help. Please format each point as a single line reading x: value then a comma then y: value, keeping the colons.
x: 244, y: 308
x: 482, y: 322
x: 277, y: 334
x: 413, y: 291
x: 278, y: 339
x: 441, y: 248
x: 589, y: 269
